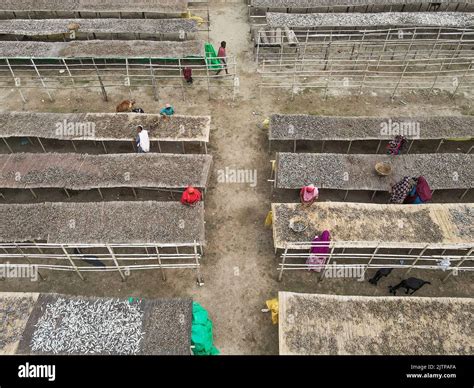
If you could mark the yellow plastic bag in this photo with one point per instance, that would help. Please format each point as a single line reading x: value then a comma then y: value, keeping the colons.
x: 266, y: 123
x: 188, y: 15
x: 272, y: 304
x: 269, y: 219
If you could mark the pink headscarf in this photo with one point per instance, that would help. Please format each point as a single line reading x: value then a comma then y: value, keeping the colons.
x: 309, y: 193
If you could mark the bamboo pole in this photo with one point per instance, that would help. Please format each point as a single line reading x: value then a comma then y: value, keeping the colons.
x: 323, y: 271
x: 462, y: 79
x: 439, y: 146
x: 208, y: 80
x: 102, y: 87
x: 464, y: 193
x: 400, y: 80
x: 8, y: 146
x: 436, y: 78
x: 370, y: 260
x: 16, y: 80
x: 128, y: 80
x: 282, y: 265
x: 153, y: 82
x: 160, y: 264
x: 27, y: 259
x: 418, y: 258
x: 72, y: 262
x: 41, y: 79
x: 41, y: 144
x: 69, y: 72
x: 111, y: 251
x: 182, y: 79
x: 468, y: 255
x: 198, y: 271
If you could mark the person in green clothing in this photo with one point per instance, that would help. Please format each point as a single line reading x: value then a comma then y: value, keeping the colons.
x: 167, y: 111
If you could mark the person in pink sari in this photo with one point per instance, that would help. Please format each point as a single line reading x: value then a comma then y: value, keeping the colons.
x: 308, y: 194
x: 320, y: 247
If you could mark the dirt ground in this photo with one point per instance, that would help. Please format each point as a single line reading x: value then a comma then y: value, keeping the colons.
x: 239, y: 266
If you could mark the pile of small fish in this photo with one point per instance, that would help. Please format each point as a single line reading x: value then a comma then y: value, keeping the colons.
x: 89, y: 26
x: 313, y: 127
x: 297, y: 170
x: 103, y: 326
x: 463, y: 217
x: 13, y: 311
x: 439, y: 19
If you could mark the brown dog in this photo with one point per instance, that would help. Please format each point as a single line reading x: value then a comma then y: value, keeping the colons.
x: 125, y: 106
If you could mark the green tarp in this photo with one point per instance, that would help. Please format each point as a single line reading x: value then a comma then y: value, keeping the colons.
x: 211, y: 57
x: 201, y: 332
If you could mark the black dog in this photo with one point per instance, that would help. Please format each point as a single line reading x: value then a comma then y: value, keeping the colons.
x: 408, y: 284
x: 379, y: 275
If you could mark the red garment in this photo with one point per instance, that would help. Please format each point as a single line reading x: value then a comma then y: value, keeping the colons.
x: 221, y: 53
x: 190, y: 196
x: 422, y: 192
x: 188, y: 73
x: 423, y: 189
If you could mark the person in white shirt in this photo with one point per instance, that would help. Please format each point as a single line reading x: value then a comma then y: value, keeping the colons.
x: 143, y: 141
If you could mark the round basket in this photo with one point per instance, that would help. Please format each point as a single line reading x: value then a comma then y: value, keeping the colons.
x: 298, y: 226
x: 383, y: 168
x: 73, y: 26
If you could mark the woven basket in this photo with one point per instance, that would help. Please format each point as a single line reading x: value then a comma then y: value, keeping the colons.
x: 73, y: 26
x: 383, y: 168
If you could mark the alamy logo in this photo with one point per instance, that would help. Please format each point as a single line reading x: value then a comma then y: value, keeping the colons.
x: 37, y: 371
x: 409, y: 129
x: 356, y: 271
x: 231, y: 175
x: 18, y: 271
x: 85, y: 129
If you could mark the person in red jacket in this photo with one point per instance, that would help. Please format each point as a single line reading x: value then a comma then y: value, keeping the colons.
x: 191, y: 196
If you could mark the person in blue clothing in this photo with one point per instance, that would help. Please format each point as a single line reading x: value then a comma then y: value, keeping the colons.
x: 167, y: 111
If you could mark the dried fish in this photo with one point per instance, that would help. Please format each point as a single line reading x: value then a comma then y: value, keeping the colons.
x: 102, y: 49
x: 103, y: 222
x: 80, y: 326
x: 312, y: 127
x: 107, y: 126
x: 13, y: 311
x: 440, y: 19
x: 32, y: 27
